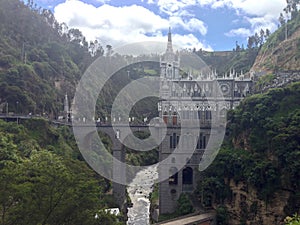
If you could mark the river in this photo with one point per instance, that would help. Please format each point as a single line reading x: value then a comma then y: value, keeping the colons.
x: 139, y: 191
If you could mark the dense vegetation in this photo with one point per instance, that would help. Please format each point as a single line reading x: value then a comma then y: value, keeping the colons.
x: 43, y: 179
x: 40, y: 60
x: 262, y: 152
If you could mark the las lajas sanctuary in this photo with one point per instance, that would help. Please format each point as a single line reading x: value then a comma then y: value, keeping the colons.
x: 204, y: 99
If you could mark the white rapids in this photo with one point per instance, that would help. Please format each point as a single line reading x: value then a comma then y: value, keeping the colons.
x: 139, y: 191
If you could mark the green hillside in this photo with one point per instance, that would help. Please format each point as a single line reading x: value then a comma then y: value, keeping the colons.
x: 39, y: 63
x: 42, y: 60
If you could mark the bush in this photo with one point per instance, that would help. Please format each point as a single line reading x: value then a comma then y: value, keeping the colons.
x: 184, y: 205
x: 222, y: 216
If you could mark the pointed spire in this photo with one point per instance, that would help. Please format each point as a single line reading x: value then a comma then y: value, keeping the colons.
x: 169, y: 35
x: 169, y: 47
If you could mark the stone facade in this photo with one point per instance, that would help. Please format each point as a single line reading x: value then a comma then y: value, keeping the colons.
x: 195, y: 98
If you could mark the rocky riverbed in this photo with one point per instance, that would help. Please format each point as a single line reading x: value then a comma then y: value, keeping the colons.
x: 139, y: 191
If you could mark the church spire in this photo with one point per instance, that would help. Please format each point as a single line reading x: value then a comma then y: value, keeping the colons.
x: 169, y: 47
x: 169, y: 35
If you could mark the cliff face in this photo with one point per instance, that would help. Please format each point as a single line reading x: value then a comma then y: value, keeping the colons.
x: 245, y: 205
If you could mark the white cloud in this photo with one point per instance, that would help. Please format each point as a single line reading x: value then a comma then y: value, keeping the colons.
x: 259, y: 14
x: 250, y: 7
x: 180, y: 15
x: 258, y: 23
x: 171, y: 6
x: 127, y: 24
x: 189, y: 41
x: 193, y: 25
x: 260, y: 8
x: 242, y: 32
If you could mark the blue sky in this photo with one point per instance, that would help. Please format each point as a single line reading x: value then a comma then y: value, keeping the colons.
x: 208, y: 24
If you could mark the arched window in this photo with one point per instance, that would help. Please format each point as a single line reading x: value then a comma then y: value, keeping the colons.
x: 174, y: 140
x: 187, y: 175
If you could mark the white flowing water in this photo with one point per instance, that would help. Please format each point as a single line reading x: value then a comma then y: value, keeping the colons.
x: 139, y: 191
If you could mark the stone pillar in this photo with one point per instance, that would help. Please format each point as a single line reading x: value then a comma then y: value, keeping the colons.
x: 119, y: 172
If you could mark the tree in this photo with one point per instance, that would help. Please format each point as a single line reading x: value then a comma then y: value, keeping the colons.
x: 291, y: 8
x: 45, y: 190
x: 281, y: 19
x: 9, y: 175
x: 262, y: 36
x: 8, y: 150
x: 96, y: 49
x: 50, y: 186
x: 250, y: 43
x: 267, y: 33
x: 76, y: 36
x: 237, y: 46
x: 184, y: 205
x: 256, y: 40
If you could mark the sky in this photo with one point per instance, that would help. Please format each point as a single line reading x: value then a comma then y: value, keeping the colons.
x: 213, y: 25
